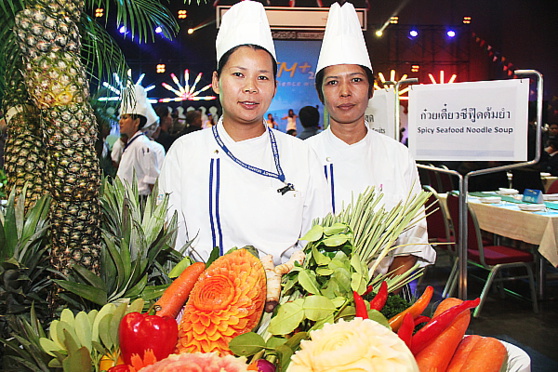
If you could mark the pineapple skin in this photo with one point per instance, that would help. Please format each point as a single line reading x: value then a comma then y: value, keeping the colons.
x: 57, y: 85
x: 24, y: 153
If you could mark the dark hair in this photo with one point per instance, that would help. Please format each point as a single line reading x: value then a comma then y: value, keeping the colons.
x: 291, y: 131
x: 142, y: 119
x: 225, y: 58
x: 320, y: 80
x: 162, y: 110
x: 309, y: 116
x: 192, y: 116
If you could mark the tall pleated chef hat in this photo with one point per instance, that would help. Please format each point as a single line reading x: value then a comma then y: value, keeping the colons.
x: 244, y: 23
x: 136, y: 103
x: 343, y: 42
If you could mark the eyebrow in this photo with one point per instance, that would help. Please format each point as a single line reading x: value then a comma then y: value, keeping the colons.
x: 245, y: 68
x: 352, y: 74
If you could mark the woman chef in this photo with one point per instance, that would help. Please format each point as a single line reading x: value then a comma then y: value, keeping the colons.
x: 241, y: 183
x: 354, y: 156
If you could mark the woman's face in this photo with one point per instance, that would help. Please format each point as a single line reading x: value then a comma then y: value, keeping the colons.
x: 246, y: 86
x: 346, y: 90
x: 128, y: 126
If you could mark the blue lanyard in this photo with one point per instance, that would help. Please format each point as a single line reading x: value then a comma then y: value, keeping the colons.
x: 132, y: 140
x: 279, y: 175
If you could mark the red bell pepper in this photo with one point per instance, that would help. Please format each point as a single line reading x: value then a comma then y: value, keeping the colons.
x: 360, y: 306
x: 438, y: 324
x: 380, y: 299
x: 140, y: 332
x: 119, y: 368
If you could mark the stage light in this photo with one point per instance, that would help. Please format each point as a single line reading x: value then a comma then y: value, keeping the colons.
x: 415, y: 68
x: 190, y: 31
x: 467, y: 20
x: 182, y: 14
x: 450, y: 33
x: 158, y: 30
x: 394, y: 20
x: 99, y: 12
x: 379, y: 33
x: 122, y: 29
x: 413, y: 33
x: 161, y: 68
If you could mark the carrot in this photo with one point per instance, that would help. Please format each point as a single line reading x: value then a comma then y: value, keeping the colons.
x: 177, y: 293
x: 415, y: 309
x: 461, y: 355
x: 437, y: 355
x: 473, y: 355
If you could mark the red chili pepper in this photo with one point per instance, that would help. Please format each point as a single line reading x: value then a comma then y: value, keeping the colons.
x: 380, y: 299
x: 438, y: 324
x: 139, y: 332
x: 421, y: 319
x: 405, y: 332
x: 360, y: 307
x: 369, y: 289
x: 415, y: 309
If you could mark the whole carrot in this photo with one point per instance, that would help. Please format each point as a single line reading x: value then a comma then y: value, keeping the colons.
x: 177, y: 293
x: 473, y: 355
x: 439, y: 324
x: 461, y: 355
x: 415, y: 309
x: 437, y: 355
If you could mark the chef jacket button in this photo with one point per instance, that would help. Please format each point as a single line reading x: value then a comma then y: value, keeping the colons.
x: 328, y: 159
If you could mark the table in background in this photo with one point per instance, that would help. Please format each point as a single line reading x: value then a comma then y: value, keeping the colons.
x: 536, y: 228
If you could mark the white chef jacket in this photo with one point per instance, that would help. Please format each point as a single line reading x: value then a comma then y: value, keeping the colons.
x: 139, y: 156
x: 159, y: 152
x: 379, y: 161
x: 221, y: 203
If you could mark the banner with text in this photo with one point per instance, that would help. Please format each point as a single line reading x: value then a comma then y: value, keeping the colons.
x: 479, y: 121
x: 380, y: 113
x: 295, y: 79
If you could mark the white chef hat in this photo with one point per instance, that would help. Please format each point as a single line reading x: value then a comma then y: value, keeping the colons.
x: 244, y: 23
x: 134, y: 101
x: 151, y: 116
x: 343, y: 39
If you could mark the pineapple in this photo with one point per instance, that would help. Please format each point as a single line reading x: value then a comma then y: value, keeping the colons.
x: 56, y: 82
x: 24, y: 151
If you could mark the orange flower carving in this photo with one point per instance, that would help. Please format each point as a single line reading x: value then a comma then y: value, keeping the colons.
x: 227, y: 300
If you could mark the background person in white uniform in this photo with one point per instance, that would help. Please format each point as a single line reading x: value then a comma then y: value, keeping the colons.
x: 241, y: 183
x: 138, y: 157
x: 355, y: 156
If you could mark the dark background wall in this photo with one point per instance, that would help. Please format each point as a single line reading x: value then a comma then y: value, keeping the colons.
x: 502, y: 36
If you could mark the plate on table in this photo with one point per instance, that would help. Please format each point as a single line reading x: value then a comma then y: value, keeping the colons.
x: 531, y: 207
x: 504, y: 191
x: 550, y: 197
x: 518, y: 359
x: 490, y: 200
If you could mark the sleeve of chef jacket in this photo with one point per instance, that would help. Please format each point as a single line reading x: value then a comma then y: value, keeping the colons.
x: 149, y: 164
x: 416, y: 238
x: 169, y: 183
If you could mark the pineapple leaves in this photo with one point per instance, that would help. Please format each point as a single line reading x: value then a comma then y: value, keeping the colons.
x: 88, y: 292
x: 136, y: 253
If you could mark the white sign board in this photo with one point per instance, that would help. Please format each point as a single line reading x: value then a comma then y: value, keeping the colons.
x: 380, y: 113
x: 479, y: 121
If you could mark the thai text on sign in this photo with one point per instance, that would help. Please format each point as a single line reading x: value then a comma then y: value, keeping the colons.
x: 480, y: 121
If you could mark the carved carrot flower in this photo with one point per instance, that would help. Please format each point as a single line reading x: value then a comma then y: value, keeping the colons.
x: 227, y: 300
